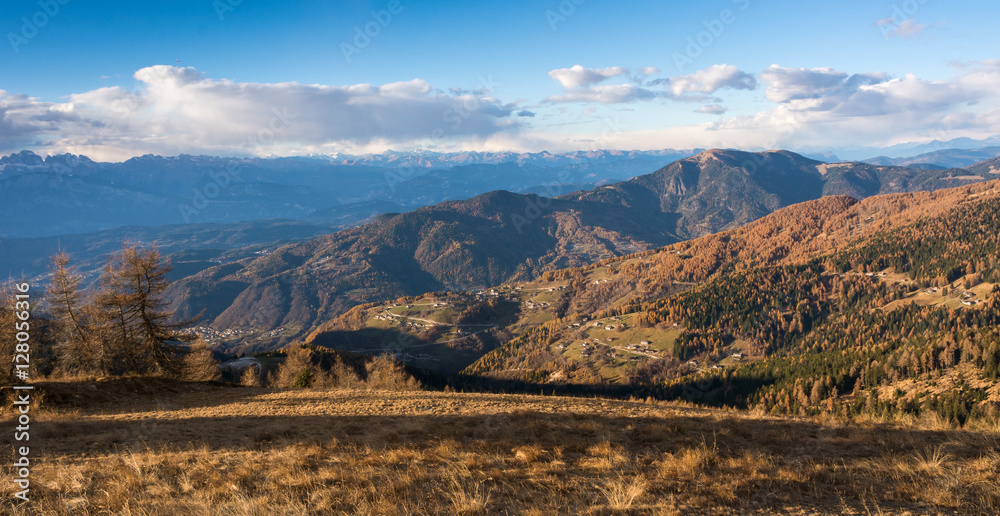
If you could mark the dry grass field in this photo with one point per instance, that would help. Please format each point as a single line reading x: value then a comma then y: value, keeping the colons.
x: 147, y: 446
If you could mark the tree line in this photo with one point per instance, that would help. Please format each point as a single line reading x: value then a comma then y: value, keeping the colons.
x: 121, y: 325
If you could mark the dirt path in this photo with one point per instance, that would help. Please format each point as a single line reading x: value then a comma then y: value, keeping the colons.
x: 437, y: 323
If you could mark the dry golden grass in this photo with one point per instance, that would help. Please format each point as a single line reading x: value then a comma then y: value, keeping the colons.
x: 202, y: 449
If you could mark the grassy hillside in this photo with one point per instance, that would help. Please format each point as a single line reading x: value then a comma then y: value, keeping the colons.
x: 157, y: 447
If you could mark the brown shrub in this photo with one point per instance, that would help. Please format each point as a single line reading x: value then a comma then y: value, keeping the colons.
x: 200, y: 365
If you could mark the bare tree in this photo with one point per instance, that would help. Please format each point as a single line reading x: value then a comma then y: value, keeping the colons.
x: 344, y: 376
x: 385, y: 372
x: 76, y: 350
x: 135, y: 325
x: 200, y: 365
x: 298, y: 369
x: 251, y: 377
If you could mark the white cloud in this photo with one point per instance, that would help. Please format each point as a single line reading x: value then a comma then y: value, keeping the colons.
x: 689, y: 88
x: 612, y: 94
x: 580, y: 77
x: 712, y: 109
x: 906, y: 29
x: 180, y: 110
x: 788, y: 84
x: 712, y: 79
x: 824, y: 106
x: 873, y: 94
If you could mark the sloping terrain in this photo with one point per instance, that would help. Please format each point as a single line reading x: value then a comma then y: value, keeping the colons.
x: 746, y: 317
x: 501, y: 237
x: 989, y: 168
x: 945, y: 158
x: 889, y: 306
x: 451, y: 246
x: 204, y: 449
x: 73, y: 194
x: 723, y: 189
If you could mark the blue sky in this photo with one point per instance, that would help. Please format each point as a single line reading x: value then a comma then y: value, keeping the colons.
x: 103, y: 78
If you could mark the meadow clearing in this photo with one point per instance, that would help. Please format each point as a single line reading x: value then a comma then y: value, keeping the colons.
x: 155, y: 446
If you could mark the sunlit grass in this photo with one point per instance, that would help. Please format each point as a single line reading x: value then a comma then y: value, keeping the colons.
x: 243, y: 451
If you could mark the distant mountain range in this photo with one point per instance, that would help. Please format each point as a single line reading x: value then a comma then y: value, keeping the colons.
x: 500, y: 236
x: 910, y: 149
x: 69, y: 194
x: 538, y: 159
x: 72, y: 194
x: 192, y: 247
x: 942, y: 159
x: 904, y: 150
x: 723, y: 189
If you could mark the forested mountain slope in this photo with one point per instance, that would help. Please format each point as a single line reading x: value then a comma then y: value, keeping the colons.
x: 722, y: 189
x: 502, y: 237
x: 885, y: 306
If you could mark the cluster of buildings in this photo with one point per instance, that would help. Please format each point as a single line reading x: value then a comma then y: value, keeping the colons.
x: 209, y: 334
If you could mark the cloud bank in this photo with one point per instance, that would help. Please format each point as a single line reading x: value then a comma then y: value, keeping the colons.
x: 578, y: 76
x: 578, y: 85
x: 824, y: 105
x: 179, y: 110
